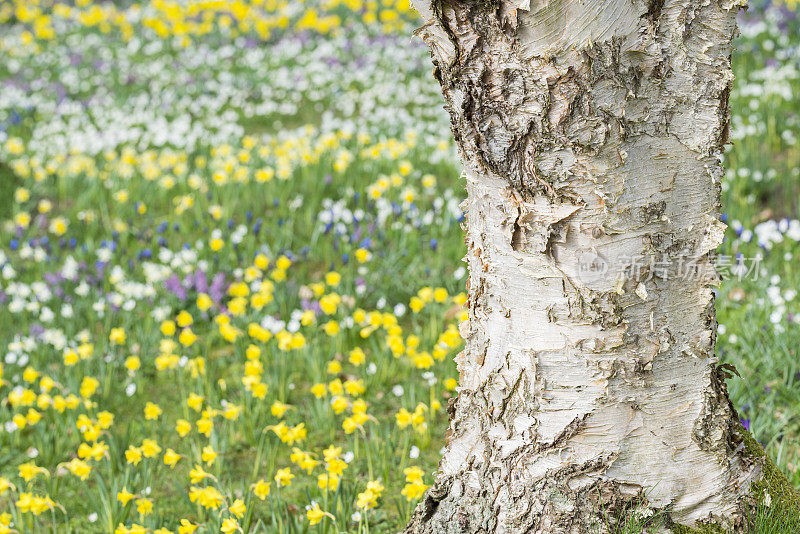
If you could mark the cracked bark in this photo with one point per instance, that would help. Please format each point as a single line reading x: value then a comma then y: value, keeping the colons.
x: 590, y: 134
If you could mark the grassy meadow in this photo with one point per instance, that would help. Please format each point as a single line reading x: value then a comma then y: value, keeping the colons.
x: 230, y: 276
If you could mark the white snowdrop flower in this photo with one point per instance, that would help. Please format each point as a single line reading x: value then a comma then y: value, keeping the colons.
x: 459, y: 273
x: 794, y: 230
x: 41, y: 291
x: 148, y: 490
x: 399, y: 309
x: 66, y: 311
x: 429, y: 377
x: 92, y: 517
x: 130, y: 389
x: 774, y: 294
x: 775, y: 280
x: 70, y: 268
x: 414, y: 452
x: 789, y: 294
x: 381, y: 303
x: 360, y: 290
x: 33, y: 452
x: 129, y: 305
x: 788, y: 256
x: 293, y: 326
x: 57, y: 339
x: 356, y: 517
x: 117, y: 275
x: 182, y: 361
x: 10, y: 426
x: 291, y: 386
x: 721, y: 329
x: 372, y: 368
x: 16, y: 305
x: 9, y: 272
x: 348, y: 456
x: 46, y: 315
x: 733, y: 339
x: 104, y: 255
x: 776, y: 316
x: 747, y: 236
x: 398, y: 390
x: 160, y: 313
x: 82, y: 290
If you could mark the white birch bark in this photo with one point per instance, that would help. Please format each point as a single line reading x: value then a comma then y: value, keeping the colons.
x: 590, y: 133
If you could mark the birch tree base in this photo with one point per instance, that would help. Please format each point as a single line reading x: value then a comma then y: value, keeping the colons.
x: 591, y: 135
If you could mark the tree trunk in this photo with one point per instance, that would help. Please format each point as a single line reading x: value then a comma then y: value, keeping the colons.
x: 591, y: 134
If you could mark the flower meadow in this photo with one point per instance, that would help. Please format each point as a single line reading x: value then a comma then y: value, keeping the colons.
x: 230, y: 276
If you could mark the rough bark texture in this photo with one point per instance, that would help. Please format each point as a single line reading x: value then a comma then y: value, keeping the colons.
x: 590, y: 133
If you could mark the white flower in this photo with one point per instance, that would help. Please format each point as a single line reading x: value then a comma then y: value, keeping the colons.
x: 160, y: 313
x: 414, y: 452
x: 398, y: 390
x: 104, y: 255
x: 46, y: 315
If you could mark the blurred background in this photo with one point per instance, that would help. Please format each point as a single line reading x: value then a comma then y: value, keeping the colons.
x: 230, y: 275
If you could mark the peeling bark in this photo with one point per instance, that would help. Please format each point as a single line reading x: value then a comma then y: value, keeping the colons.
x: 590, y: 133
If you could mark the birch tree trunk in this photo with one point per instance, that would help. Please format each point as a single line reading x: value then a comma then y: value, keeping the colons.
x: 591, y: 134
